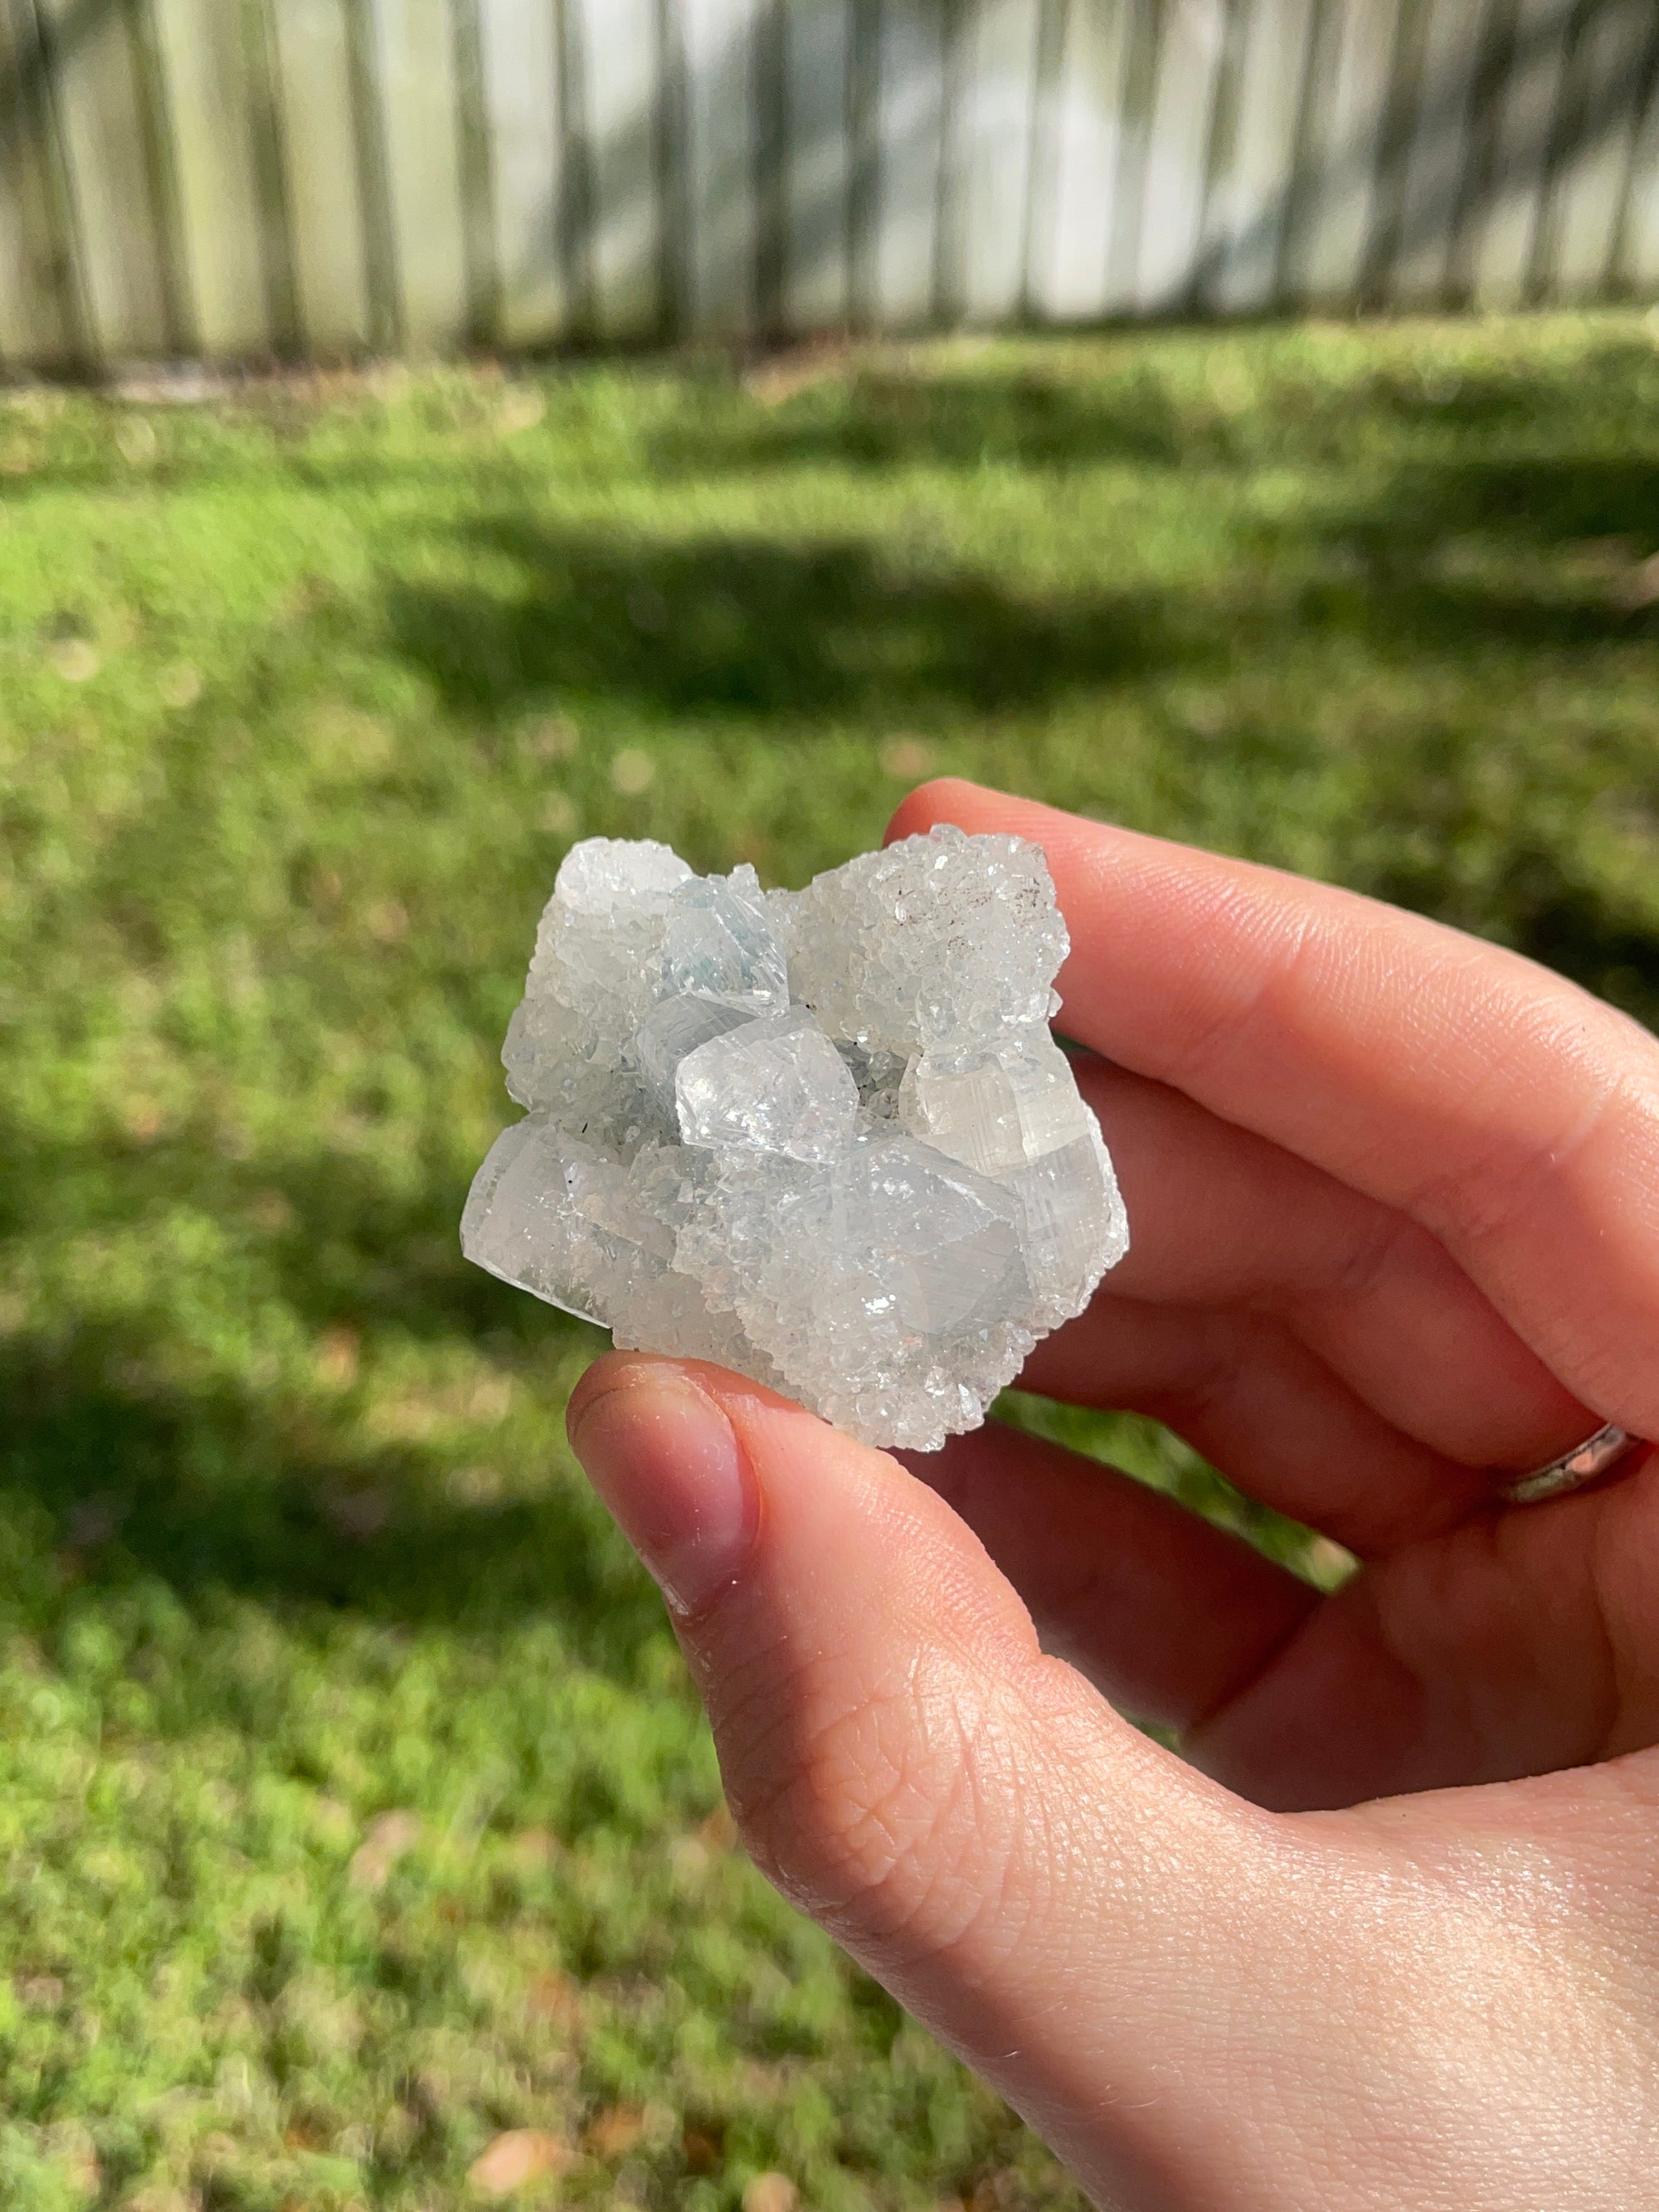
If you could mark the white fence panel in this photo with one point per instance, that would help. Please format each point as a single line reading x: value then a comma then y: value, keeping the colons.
x: 910, y: 131
x: 1636, y: 266
x: 1178, y: 136
x: 720, y: 37
x: 103, y: 128
x: 1575, y: 252
x: 817, y: 105
x: 209, y: 98
x: 1438, y: 152
x: 522, y: 68
x: 244, y: 177
x: 1504, y: 252
x: 416, y: 45
x: 39, y: 321
x: 1072, y: 242
x: 320, y: 147
x: 992, y: 160
x: 1256, y: 197
x: 621, y: 123
x: 1344, y: 132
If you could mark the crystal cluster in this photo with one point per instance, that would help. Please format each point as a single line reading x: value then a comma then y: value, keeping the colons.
x: 823, y: 1137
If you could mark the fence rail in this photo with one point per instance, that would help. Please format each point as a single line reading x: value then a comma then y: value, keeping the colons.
x: 226, y: 179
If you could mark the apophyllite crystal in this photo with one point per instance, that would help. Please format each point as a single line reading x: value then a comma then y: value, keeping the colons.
x: 823, y: 1137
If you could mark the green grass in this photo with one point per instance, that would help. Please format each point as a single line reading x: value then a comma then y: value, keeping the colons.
x: 354, y: 1805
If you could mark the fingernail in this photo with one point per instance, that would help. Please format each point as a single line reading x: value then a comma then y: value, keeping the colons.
x: 665, y: 1460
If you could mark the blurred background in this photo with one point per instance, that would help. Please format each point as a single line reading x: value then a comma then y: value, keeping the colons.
x: 439, y: 430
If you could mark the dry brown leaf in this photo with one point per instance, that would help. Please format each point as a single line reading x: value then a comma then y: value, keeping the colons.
x: 551, y: 738
x: 387, y: 921
x: 271, y: 1211
x: 613, y: 2133
x: 771, y: 2192
x: 782, y: 376
x: 76, y: 660
x: 390, y: 1836
x: 720, y: 1830
x: 522, y: 409
x: 554, y: 1998
x: 701, y: 2148
x: 181, y: 686
x: 516, y: 2159
x: 145, y: 1121
x: 632, y: 771
x: 80, y: 2168
x: 532, y: 1850
x: 907, y: 758
x: 336, y: 1356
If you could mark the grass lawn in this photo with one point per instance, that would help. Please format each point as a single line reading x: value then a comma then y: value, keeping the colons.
x: 354, y: 1806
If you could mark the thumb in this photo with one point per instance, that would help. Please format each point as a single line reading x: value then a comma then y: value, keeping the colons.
x: 1059, y: 1899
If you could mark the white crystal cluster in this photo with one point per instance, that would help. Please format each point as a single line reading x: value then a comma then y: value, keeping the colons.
x: 823, y: 1137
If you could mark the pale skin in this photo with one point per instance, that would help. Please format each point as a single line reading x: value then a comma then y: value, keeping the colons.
x: 1386, y: 1934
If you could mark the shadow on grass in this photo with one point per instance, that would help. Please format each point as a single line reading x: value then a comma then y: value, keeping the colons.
x: 211, y: 1489
x: 1045, y: 424
x: 760, y: 626
x: 1552, y: 501
x: 442, y: 476
x: 849, y: 630
x: 882, y: 420
x: 1525, y: 551
x: 1527, y: 460
x: 1550, y: 902
x: 1610, y: 383
x: 212, y: 1483
x: 753, y: 625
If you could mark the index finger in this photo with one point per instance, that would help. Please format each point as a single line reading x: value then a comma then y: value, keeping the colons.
x: 1510, y: 1113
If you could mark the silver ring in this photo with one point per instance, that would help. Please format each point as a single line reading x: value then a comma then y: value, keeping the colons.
x: 1573, y: 1469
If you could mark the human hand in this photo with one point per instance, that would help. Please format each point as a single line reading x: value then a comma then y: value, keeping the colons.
x: 1394, y: 1196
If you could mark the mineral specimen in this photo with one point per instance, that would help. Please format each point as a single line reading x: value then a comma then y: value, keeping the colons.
x: 822, y: 1137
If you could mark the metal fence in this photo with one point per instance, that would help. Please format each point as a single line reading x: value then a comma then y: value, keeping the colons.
x: 228, y: 179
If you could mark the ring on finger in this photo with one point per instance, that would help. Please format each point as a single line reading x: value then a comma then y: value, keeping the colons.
x: 1587, y: 1462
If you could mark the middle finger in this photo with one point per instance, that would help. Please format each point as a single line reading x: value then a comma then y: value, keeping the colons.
x: 1256, y: 1403
x: 1222, y: 1217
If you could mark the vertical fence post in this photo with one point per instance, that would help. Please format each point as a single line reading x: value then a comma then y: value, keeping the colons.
x: 49, y: 221
x: 477, y: 180
x: 284, y: 327
x: 1633, y: 256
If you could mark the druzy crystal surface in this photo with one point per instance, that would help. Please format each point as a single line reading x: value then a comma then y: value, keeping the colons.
x: 823, y: 1137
